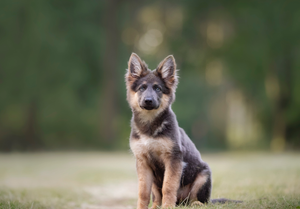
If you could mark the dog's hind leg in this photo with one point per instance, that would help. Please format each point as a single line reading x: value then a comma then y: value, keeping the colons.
x: 204, y: 193
x: 200, y: 192
x: 156, y: 196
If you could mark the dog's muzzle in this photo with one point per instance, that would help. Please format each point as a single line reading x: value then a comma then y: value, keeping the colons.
x: 149, y: 104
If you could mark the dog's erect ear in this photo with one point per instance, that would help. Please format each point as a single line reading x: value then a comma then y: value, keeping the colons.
x: 136, y: 67
x: 167, y: 71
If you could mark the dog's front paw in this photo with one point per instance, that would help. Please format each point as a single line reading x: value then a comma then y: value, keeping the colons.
x: 168, y: 206
x: 197, y: 204
x: 155, y: 206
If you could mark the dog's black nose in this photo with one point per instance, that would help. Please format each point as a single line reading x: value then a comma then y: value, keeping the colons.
x: 148, y: 101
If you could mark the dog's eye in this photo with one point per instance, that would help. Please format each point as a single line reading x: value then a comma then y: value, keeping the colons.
x: 143, y: 88
x: 157, y: 89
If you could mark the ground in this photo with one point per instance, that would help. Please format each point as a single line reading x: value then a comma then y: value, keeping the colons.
x: 95, y: 180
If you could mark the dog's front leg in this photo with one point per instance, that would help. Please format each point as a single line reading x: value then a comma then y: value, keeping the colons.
x: 173, y: 171
x: 145, y: 177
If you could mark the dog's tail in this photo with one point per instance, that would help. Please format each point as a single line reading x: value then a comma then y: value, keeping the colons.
x: 224, y: 200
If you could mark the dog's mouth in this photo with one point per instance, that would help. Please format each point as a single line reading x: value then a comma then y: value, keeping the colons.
x: 148, y: 107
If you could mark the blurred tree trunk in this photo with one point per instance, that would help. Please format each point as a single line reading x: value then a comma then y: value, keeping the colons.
x: 109, y: 108
x: 32, y: 47
x: 283, y: 54
x: 282, y: 102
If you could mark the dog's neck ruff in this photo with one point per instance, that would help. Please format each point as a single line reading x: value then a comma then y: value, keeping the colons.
x: 150, y: 122
x: 146, y: 116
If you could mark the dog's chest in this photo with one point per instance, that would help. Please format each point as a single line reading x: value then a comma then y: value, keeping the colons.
x: 151, y: 146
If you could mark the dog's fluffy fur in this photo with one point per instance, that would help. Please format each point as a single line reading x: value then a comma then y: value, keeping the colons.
x: 167, y: 162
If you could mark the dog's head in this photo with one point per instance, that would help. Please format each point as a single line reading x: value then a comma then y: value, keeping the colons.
x: 150, y: 90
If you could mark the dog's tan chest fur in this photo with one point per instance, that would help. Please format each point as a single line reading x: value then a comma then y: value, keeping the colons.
x: 146, y: 145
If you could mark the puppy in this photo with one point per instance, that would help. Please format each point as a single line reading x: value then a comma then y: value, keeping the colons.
x: 168, y: 163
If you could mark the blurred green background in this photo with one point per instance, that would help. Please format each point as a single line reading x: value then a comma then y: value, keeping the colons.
x: 62, y: 66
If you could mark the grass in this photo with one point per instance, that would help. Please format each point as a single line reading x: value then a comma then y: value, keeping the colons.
x: 108, y: 180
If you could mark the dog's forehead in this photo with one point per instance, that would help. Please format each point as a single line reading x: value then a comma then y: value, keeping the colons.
x: 151, y: 78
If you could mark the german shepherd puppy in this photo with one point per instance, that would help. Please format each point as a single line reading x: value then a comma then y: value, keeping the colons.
x: 168, y: 163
